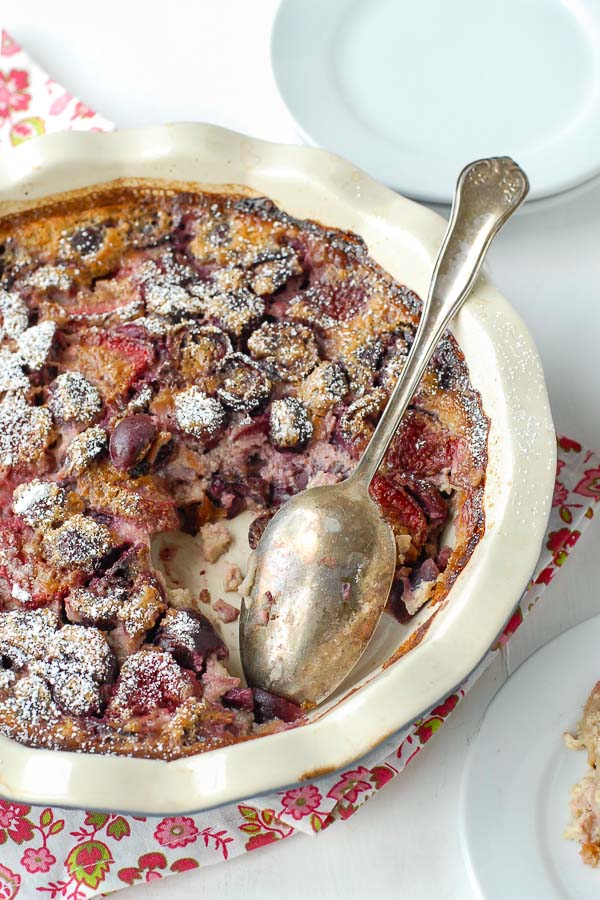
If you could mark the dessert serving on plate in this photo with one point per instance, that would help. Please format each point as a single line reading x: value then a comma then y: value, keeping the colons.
x: 585, y: 795
x: 171, y: 356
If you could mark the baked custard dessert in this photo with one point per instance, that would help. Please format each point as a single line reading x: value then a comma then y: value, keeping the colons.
x: 585, y: 795
x: 172, y: 355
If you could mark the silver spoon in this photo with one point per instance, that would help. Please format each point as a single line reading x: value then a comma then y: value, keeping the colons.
x: 319, y: 579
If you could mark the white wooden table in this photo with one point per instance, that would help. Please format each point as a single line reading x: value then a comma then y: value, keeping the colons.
x: 192, y: 60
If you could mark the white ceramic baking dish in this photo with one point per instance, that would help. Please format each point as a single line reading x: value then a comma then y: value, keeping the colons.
x: 377, y: 700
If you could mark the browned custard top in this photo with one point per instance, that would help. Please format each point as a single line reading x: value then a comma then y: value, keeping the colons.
x: 169, y: 357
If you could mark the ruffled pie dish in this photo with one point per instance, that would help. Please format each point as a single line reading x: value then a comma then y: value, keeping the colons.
x: 225, y: 360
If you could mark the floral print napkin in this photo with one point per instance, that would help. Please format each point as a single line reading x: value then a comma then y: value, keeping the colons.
x: 75, y: 854
x: 32, y: 104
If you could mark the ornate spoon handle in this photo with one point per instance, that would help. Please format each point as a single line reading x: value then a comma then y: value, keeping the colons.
x: 487, y: 193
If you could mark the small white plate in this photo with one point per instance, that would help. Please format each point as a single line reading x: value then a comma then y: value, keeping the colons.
x: 515, y: 792
x: 412, y: 91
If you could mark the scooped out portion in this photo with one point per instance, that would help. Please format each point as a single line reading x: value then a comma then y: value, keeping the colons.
x: 169, y: 358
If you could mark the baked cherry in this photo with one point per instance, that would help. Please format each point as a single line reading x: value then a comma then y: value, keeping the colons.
x: 131, y: 440
x: 269, y: 706
x: 236, y: 311
x: 240, y: 698
x: 201, y: 349
x: 88, y: 240
x: 150, y: 680
x: 288, y: 347
x: 289, y: 423
x: 244, y: 384
x: 257, y: 527
x: 431, y: 501
x: 357, y: 422
x: 190, y: 638
x: 274, y: 269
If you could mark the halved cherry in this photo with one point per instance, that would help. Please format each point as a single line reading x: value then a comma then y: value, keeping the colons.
x: 200, y: 350
x: 358, y: 420
x: 244, y: 385
x: 290, y: 425
x: 87, y: 240
x: 190, y: 638
x: 265, y: 705
x: 289, y: 347
x: 273, y: 270
x: 432, y: 502
x: 236, y: 311
x: 239, y: 698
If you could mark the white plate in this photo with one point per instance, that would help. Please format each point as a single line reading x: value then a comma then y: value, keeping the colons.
x: 515, y: 793
x: 411, y: 91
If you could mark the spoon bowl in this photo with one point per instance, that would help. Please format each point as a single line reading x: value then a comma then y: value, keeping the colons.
x: 330, y: 551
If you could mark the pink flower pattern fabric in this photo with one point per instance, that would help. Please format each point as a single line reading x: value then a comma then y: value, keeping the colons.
x: 40, y: 860
x: 176, y: 832
x: 300, y: 802
x: 32, y: 104
x: 65, y: 854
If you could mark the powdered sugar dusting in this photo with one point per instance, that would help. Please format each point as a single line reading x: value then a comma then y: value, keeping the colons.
x: 166, y: 298
x: 289, y: 347
x: 14, y: 314
x: 25, y: 634
x: 137, y: 610
x: 198, y: 414
x: 235, y: 311
x: 85, y: 448
x: 40, y: 503
x: 65, y: 666
x: 148, y: 680
x: 24, y: 430
x: 12, y: 376
x: 46, y: 277
x: 73, y: 399
x: 83, y: 605
x: 83, y: 650
x: 289, y: 423
x: 80, y: 543
x: 34, y: 344
x: 183, y: 627
x: 140, y: 403
x: 32, y: 704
